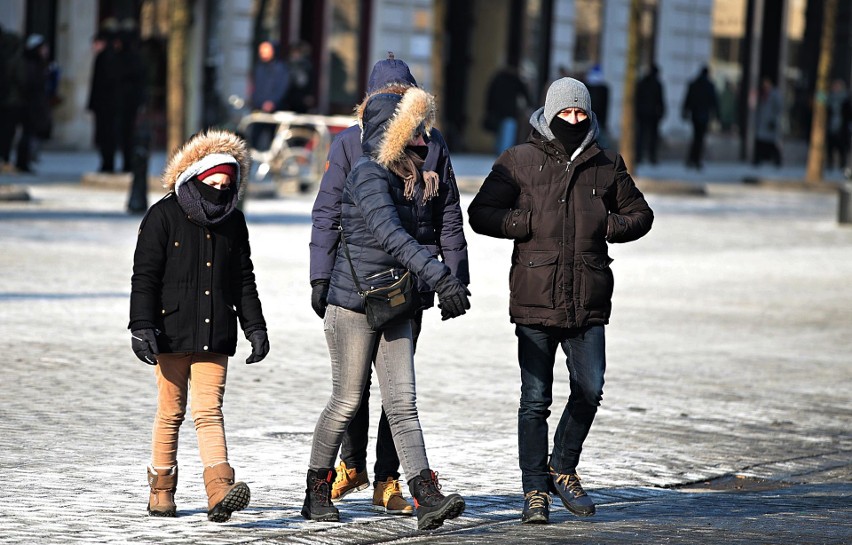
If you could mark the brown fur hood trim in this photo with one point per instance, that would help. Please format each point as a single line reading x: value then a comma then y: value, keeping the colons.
x: 206, y: 150
x: 415, y: 111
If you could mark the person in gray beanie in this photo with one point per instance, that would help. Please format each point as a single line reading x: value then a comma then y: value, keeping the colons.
x: 562, y: 199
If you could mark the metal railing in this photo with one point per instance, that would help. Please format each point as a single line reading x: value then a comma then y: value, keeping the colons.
x: 298, y: 149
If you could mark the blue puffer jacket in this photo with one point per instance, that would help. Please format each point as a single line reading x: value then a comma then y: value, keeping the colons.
x: 379, y: 222
x: 440, y: 224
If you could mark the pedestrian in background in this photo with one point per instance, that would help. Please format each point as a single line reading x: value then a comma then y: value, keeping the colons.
x: 562, y: 199
x: 192, y: 279
x: 36, y: 124
x: 700, y: 105
x: 104, y: 102
x: 507, y: 98
x: 728, y: 109
x: 379, y: 221
x: 441, y: 231
x: 299, y: 97
x: 132, y: 90
x: 767, y: 124
x: 839, y: 112
x: 13, y: 79
x: 270, y: 82
x: 650, y: 108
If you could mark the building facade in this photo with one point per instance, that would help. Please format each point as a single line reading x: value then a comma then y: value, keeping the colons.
x: 453, y: 49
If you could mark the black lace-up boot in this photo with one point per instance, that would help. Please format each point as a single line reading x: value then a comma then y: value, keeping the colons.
x: 433, y: 508
x: 318, y: 504
x: 570, y: 491
x: 536, y: 508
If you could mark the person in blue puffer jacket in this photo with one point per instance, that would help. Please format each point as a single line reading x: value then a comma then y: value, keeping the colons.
x: 440, y: 228
x: 379, y: 216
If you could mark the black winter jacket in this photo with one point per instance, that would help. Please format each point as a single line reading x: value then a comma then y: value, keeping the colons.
x: 192, y: 282
x: 561, y: 216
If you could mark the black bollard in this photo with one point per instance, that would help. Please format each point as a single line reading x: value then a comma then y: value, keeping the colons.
x: 138, y: 201
x: 844, y: 192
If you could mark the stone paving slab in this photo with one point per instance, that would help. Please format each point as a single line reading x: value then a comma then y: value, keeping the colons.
x: 728, y: 353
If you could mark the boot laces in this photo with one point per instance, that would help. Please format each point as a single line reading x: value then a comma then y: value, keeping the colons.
x: 392, y: 489
x: 571, y: 481
x: 538, y: 500
x: 432, y: 488
x: 322, y: 491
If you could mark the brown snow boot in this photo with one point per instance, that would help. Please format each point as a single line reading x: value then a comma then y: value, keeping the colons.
x: 224, y: 496
x: 163, y: 482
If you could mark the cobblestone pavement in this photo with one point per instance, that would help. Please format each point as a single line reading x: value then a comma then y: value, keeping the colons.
x: 728, y: 354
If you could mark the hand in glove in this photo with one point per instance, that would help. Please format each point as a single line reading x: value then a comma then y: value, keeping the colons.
x: 319, y: 296
x: 144, y: 344
x: 452, y: 297
x: 259, y: 345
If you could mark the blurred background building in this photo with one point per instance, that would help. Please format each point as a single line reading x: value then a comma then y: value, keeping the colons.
x: 453, y: 48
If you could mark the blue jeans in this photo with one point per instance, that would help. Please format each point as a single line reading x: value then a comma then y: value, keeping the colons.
x: 353, y: 450
x: 586, y: 360
x: 353, y: 346
x: 506, y: 135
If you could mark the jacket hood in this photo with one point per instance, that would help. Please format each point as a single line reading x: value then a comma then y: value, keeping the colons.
x: 390, y: 71
x: 205, y: 150
x: 540, y: 124
x: 389, y: 120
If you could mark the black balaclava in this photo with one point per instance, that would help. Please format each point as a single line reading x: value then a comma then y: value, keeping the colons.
x: 211, y: 194
x: 570, y: 135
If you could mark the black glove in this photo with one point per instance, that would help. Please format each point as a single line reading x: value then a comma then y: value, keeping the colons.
x: 144, y: 344
x: 319, y: 296
x: 259, y: 345
x: 452, y: 297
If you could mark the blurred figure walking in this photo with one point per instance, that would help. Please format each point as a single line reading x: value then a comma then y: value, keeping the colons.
x: 650, y: 108
x: 699, y: 106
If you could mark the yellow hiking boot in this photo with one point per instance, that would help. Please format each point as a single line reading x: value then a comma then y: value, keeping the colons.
x: 387, y: 498
x: 348, y: 480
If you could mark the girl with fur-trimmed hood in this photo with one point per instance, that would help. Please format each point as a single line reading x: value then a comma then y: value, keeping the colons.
x: 192, y: 279
x: 379, y: 219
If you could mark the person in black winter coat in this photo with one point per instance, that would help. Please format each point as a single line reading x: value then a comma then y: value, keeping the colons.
x: 650, y: 108
x: 379, y: 220
x: 193, y: 279
x: 562, y: 199
x: 700, y: 106
x: 440, y: 229
x: 36, y: 123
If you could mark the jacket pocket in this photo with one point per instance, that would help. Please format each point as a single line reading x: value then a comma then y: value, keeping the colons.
x: 596, y: 281
x: 533, y: 278
x: 170, y: 318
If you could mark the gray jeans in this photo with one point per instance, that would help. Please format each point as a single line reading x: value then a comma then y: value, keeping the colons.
x: 352, y: 345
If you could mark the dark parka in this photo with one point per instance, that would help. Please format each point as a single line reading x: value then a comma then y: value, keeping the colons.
x: 192, y: 282
x: 440, y: 226
x: 561, y: 215
x: 378, y: 221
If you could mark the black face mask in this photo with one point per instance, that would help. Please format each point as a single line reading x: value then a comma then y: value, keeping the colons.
x: 570, y: 135
x: 420, y: 151
x: 211, y: 194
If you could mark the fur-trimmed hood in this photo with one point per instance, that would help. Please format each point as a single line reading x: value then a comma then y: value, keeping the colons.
x: 389, y: 119
x: 205, y: 150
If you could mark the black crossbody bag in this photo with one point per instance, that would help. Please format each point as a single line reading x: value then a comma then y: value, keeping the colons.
x: 387, y: 305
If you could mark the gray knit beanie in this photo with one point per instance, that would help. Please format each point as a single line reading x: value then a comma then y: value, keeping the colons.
x: 566, y: 93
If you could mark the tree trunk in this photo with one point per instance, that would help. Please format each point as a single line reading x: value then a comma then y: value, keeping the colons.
x: 179, y: 18
x: 816, y: 151
x: 627, y: 138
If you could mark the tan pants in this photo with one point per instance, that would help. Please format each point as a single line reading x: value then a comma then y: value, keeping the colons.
x: 203, y: 376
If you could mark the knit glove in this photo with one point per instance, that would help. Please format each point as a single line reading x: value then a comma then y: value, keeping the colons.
x: 144, y: 344
x: 319, y: 296
x: 259, y: 345
x: 452, y: 297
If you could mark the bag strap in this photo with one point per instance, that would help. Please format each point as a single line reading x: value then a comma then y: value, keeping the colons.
x: 349, y: 259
